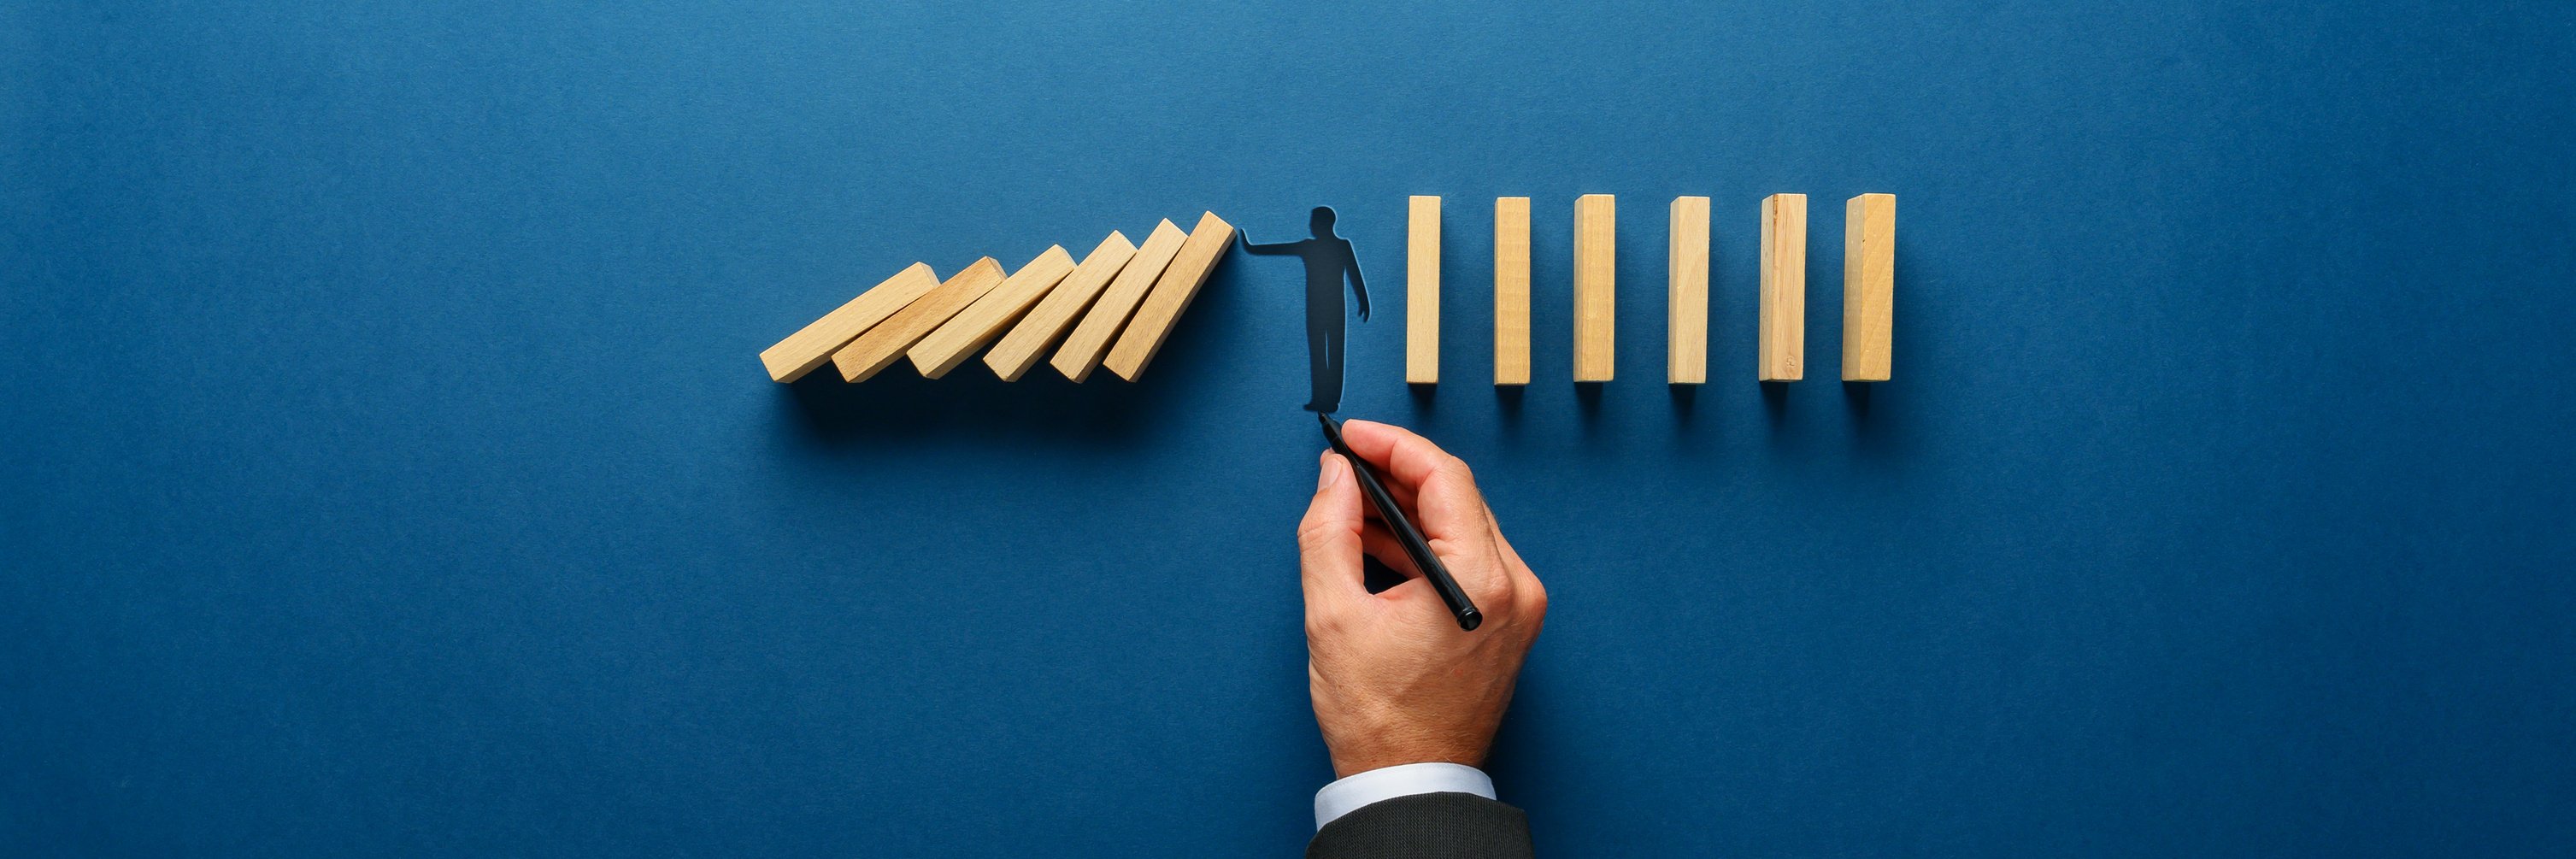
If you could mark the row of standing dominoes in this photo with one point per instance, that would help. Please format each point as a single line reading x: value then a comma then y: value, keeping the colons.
x: 1112, y: 309
x: 1869, y: 289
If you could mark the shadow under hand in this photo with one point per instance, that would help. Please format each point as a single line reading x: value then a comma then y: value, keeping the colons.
x: 1377, y: 576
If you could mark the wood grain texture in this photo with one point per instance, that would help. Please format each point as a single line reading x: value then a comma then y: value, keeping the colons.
x: 1686, y: 330
x: 1422, y: 291
x: 885, y: 343
x: 1028, y: 341
x: 1869, y: 287
x: 814, y: 344
x: 1090, y: 340
x: 990, y: 315
x: 1596, y: 303
x: 1783, y: 339
x: 1511, y: 290
x: 1191, y: 265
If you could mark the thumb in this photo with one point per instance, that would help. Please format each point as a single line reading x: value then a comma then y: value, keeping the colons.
x: 1328, y: 539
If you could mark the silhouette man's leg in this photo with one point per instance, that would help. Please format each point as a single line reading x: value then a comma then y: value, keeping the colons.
x: 1318, y: 398
x: 1329, y: 385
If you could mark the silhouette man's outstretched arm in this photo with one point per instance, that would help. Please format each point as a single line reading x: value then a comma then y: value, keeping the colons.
x: 1279, y: 249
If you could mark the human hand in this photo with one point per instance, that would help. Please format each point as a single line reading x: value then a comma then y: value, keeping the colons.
x: 1394, y: 680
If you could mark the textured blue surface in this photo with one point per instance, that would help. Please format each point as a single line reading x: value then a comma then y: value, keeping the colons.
x: 385, y: 468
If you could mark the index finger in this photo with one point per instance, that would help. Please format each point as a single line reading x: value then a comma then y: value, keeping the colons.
x: 1446, y: 504
x: 1400, y: 455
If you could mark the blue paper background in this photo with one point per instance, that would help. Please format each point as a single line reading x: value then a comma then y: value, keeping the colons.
x: 385, y: 468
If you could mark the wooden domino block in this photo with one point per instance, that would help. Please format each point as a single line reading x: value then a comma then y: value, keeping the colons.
x: 1090, y: 339
x: 814, y: 344
x: 1783, y: 340
x: 1191, y: 265
x: 1511, y: 290
x: 985, y: 319
x: 1686, y: 337
x: 884, y: 344
x: 1596, y: 307
x: 1056, y: 314
x: 1422, y: 292
x: 1869, y: 287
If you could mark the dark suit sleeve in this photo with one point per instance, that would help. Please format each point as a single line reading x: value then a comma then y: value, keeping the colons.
x: 1426, y: 826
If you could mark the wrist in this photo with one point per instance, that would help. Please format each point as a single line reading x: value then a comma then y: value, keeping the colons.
x: 1347, y: 765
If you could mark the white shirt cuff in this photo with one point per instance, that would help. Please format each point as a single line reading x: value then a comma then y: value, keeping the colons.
x: 1385, y: 783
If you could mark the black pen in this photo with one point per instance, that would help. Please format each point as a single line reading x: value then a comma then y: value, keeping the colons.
x: 1415, y: 546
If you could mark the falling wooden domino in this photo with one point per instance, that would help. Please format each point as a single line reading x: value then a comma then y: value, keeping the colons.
x: 1056, y: 314
x: 1511, y: 290
x: 1422, y: 292
x: 1869, y: 286
x: 884, y: 344
x: 1090, y: 340
x: 1686, y: 339
x: 814, y: 344
x: 1783, y: 339
x: 1189, y: 270
x: 1595, y: 297
x: 985, y: 319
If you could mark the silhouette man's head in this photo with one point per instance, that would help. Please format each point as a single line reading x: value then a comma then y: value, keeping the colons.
x: 1322, y: 222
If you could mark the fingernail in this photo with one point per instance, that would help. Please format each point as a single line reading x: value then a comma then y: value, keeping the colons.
x: 1324, y: 473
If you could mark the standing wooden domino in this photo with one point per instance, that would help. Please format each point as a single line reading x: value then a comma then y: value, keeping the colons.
x: 1422, y: 292
x: 1511, y: 291
x: 1090, y: 340
x: 1191, y: 265
x: 1783, y: 339
x: 1596, y: 306
x: 884, y: 344
x: 814, y: 344
x: 985, y: 319
x: 1869, y: 287
x: 1686, y: 336
x: 1028, y: 341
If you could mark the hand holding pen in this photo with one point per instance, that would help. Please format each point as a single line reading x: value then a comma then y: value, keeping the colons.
x: 1394, y: 676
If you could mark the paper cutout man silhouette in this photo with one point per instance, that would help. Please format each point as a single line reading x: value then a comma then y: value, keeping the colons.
x: 1328, y: 261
